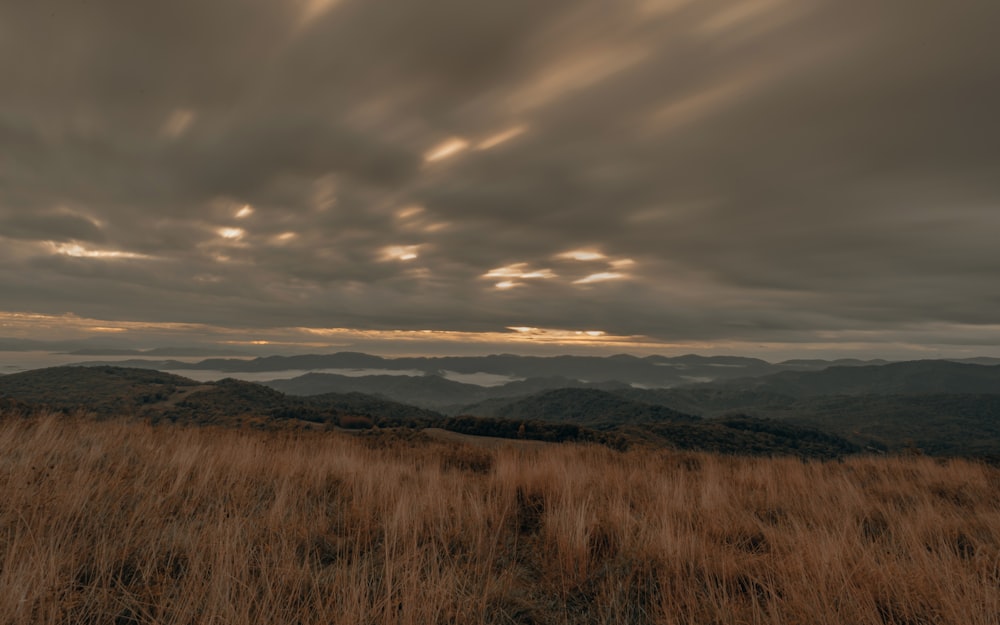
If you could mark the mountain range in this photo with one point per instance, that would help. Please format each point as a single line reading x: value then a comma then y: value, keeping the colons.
x: 941, y: 407
x: 652, y: 371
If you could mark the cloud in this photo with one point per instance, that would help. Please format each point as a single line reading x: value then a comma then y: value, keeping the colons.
x: 722, y: 170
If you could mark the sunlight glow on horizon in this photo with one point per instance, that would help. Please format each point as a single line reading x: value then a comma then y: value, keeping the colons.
x: 69, y: 326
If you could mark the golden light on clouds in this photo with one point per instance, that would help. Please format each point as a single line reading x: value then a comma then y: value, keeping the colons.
x: 581, y: 255
x: 400, y: 252
x: 519, y: 270
x: 314, y: 9
x: 71, y: 326
x: 501, y: 137
x: 615, y: 266
x: 78, y: 251
x: 409, y: 211
x: 573, y: 72
x: 602, y: 276
x: 244, y: 212
x: 737, y: 14
x: 446, y: 149
x: 233, y: 234
x: 514, y: 334
x: 177, y: 123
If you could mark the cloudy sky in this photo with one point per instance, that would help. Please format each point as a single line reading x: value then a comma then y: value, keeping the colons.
x: 764, y: 177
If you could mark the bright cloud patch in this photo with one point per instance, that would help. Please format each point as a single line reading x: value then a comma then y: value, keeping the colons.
x: 78, y: 251
x: 501, y: 137
x: 603, y: 276
x: 233, y: 234
x: 450, y: 147
x: 400, y: 252
x: 581, y: 255
x: 514, y: 273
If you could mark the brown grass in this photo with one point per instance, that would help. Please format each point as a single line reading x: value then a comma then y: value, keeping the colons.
x: 120, y: 523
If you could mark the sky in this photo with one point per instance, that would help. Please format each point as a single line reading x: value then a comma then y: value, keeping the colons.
x: 777, y: 178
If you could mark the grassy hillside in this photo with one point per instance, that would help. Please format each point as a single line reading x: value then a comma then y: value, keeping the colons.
x: 121, y: 522
x: 112, y: 390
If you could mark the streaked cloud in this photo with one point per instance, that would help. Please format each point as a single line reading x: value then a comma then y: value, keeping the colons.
x: 177, y: 123
x: 233, y: 234
x: 704, y: 174
x: 446, y: 149
x: 602, y: 276
x: 501, y: 137
x: 78, y: 251
x: 400, y: 252
x: 582, y: 255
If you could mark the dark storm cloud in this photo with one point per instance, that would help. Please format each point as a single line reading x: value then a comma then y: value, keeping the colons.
x: 773, y: 169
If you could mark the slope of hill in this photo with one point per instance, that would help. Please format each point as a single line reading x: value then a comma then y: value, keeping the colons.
x: 376, y: 408
x: 589, y: 407
x: 938, y: 424
x: 100, y: 389
x: 941, y: 424
x: 743, y: 435
x: 228, y: 401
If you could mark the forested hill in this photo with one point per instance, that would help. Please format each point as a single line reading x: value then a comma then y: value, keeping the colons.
x: 590, y: 407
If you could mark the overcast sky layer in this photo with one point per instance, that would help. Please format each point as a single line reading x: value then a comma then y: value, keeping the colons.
x: 756, y: 176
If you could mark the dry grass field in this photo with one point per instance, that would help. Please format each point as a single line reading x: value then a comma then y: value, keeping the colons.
x: 117, y: 522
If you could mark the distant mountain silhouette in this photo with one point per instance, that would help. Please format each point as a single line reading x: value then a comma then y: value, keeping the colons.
x: 918, y: 376
x: 428, y: 391
x: 653, y: 371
